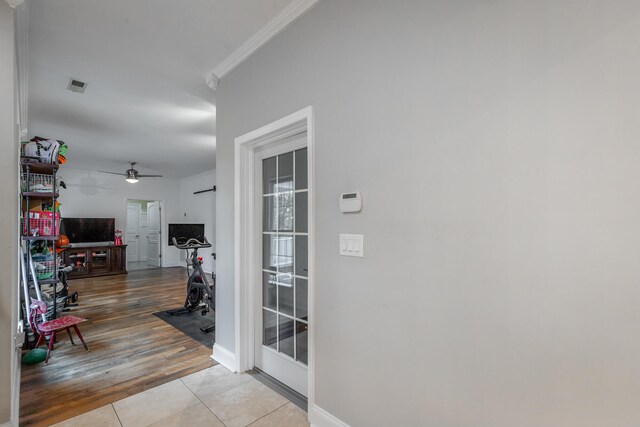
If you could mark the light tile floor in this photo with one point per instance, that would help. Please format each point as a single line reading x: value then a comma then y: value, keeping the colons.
x: 213, y: 397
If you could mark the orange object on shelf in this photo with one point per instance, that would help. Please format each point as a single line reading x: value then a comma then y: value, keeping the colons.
x: 61, y: 243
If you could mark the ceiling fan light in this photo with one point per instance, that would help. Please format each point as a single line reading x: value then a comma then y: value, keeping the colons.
x: 131, y: 176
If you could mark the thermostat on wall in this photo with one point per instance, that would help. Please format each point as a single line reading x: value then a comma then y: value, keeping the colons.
x: 350, y: 202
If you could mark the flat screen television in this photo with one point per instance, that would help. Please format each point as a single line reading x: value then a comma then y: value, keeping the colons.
x: 89, y: 230
x: 183, y: 232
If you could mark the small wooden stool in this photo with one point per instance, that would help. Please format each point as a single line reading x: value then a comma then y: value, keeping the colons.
x: 50, y: 328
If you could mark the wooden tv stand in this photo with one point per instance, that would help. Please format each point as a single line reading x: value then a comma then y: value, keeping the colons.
x: 93, y: 261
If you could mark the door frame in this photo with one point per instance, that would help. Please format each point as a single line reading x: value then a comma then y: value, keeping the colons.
x: 247, y: 270
x: 163, y: 223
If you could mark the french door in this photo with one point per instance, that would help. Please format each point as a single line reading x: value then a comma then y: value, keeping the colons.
x: 282, y: 321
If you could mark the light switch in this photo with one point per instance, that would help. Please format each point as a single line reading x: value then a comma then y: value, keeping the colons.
x: 352, y: 245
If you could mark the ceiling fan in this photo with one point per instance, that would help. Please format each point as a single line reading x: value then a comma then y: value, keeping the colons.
x: 132, y: 175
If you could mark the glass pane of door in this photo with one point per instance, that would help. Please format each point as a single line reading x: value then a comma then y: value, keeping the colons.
x: 269, y: 335
x: 284, y: 254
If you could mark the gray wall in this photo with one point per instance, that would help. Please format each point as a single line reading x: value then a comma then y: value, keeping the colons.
x: 496, y: 144
x: 8, y: 210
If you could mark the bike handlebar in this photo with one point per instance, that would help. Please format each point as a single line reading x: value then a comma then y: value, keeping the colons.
x: 192, y: 243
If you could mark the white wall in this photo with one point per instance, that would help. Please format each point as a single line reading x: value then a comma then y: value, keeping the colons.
x: 200, y: 209
x: 9, y: 211
x: 496, y: 144
x: 93, y: 194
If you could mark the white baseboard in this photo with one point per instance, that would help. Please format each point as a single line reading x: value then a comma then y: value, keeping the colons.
x: 318, y: 417
x: 225, y: 358
x: 7, y: 424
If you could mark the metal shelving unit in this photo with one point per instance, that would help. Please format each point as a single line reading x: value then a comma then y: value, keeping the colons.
x: 39, y: 182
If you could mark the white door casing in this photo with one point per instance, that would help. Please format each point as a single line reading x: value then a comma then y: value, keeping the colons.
x: 153, y: 233
x: 132, y: 232
x: 248, y: 225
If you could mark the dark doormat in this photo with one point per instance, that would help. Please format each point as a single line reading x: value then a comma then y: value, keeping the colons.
x: 190, y: 324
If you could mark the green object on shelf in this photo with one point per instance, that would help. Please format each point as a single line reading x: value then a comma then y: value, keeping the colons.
x: 34, y: 356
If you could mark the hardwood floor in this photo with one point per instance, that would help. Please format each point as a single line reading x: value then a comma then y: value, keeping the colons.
x: 130, y: 349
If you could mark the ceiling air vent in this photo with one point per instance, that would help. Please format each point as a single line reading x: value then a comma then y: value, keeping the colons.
x: 76, y: 86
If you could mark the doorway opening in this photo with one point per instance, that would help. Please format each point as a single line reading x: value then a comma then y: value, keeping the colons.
x: 142, y: 234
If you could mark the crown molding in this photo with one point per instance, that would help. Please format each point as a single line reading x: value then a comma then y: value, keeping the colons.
x: 288, y: 15
x: 15, y: 3
x: 212, y: 80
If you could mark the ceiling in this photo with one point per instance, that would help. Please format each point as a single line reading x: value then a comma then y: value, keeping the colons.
x: 145, y: 63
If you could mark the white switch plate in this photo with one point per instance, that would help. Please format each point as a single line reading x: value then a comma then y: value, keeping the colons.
x: 352, y: 245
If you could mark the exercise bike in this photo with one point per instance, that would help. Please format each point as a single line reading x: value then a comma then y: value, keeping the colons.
x: 200, y: 294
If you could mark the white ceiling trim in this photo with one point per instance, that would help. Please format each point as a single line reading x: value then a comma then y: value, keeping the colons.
x: 288, y: 15
x: 15, y: 3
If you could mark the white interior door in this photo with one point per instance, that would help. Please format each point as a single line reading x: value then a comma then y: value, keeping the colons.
x: 144, y: 236
x: 153, y: 233
x: 282, y: 320
x: 132, y: 233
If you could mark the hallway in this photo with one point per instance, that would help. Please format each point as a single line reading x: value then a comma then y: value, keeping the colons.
x: 130, y: 349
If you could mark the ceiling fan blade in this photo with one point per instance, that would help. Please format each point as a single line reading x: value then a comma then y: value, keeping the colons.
x: 149, y: 176
x: 112, y: 173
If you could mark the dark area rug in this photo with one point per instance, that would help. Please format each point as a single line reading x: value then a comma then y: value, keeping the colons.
x: 190, y: 324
